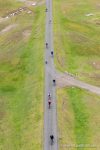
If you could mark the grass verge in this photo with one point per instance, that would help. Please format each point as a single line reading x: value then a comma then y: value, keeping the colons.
x: 78, y: 119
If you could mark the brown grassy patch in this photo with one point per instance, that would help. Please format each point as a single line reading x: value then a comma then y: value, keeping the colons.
x: 96, y: 64
x: 16, y: 12
x: 26, y: 34
x: 78, y: 38
x: 8, y: 28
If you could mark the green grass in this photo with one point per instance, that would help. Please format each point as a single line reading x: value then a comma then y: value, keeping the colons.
x: 76, y: 45
x: 76, y: 38
x: 81, y: 116
x: 21, y: 83
x: 78, y: 119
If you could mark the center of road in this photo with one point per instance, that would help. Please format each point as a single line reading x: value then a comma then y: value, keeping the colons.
x: 50, y: 115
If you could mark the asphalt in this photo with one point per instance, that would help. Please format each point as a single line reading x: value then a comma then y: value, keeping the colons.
x: 50, y: 115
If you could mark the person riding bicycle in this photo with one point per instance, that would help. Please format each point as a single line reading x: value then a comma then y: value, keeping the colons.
x: 52, y: 138
x: 49, y: 95
x: 46, y: 62
x: 49, y: 99
x: 49, y: 102
x: 46, y: 45
x: 49, y: 21
x: 54, y: 81
x: 46, y: 10
x: 52, y: 53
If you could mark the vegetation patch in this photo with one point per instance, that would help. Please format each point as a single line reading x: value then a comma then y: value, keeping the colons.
x: 76, y: 38
x: 78, y: 119
x: 80, y: 114
x: 21, y: 76
x: 77, y: 51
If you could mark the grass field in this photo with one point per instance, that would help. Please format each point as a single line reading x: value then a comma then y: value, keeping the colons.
x: 77, y: 50
x: 78, y: 119
x: 76, y: 38
x: 21, y: 77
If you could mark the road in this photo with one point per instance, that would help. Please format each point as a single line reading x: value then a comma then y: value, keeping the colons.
x: 64, y: 80
x: 50, y: 115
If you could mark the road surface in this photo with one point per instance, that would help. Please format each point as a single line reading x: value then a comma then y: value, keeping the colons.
x: 50, y: 116
x: 66, y: 80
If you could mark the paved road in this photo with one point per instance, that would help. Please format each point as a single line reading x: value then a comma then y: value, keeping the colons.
x: 67, y: 80
x: 50, y: 116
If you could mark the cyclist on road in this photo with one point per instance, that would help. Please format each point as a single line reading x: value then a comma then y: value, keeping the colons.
x: 46, y: 62
x: 46, y: 45
x: 46, y: 10
x: 52, y: 139
x: 49, y: 103
x: 49, y: 95
x: 54, y: 82
x: 51, y: 53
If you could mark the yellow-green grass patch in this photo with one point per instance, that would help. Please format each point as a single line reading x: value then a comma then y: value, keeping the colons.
x: 76, y: 38
x: 78, y: 119
x: 21, y: 83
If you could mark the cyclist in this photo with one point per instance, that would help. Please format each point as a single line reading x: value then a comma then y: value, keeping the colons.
x: 52, y: 139
x: 46, y: 10
x: 54, y: 81
x: 49, y: 103
x: 49, y: 21
x: 46, y: 45
x: 49, y: 95
x: 52, y: 53
x: 46, y: 62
